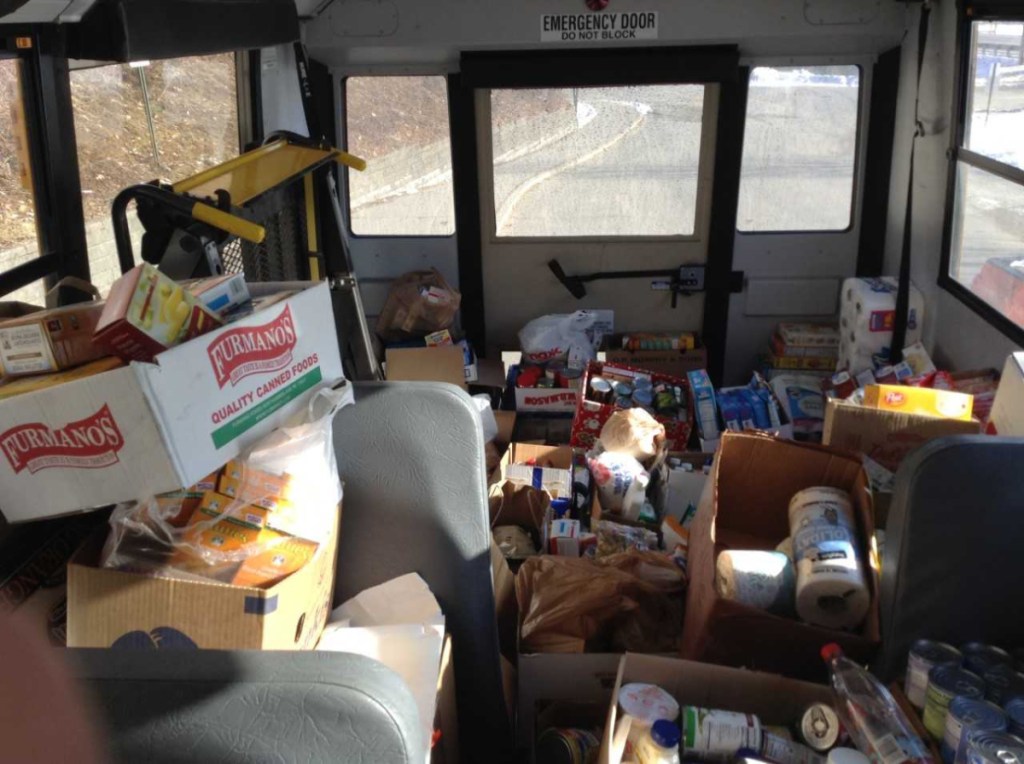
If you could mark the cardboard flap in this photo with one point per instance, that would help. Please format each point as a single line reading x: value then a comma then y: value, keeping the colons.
x: 437, y: 364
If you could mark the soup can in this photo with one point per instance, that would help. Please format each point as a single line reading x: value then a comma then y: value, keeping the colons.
x: 1014, y: 710
x: 944, y: 684
x: 965, y: 716
x: 924, y: 656
x: 979, y: 657
x: 568, y: 746
x: 820, y: 728
x: 994, y: 748
x: 1002, y: 683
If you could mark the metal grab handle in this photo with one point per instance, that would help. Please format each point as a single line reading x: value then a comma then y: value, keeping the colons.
x: 184, y: 206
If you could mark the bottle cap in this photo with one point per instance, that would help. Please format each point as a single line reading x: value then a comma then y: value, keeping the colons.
x: 665, y: 733
x: 830, y: 651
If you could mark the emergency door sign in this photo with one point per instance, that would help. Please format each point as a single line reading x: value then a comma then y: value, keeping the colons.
x: 599, y: 27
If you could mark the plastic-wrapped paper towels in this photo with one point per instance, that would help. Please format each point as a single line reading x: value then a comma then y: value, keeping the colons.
x: 764, y: 580
x: 866, y: 316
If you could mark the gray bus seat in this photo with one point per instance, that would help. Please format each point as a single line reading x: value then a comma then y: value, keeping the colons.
x: 412, y: 458
x: 951, y: 567
x: 232, y: 707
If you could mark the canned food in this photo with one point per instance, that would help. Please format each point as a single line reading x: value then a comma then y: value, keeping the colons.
x: 623, y: 402
x: 994, y: 748
x: 820, y: 727
x: 924, y: 656
x: 1014, y: 710
x: 783, y: 751
x: 567, y: 746
x: 979, y: 657
x: 944, y: 684
x: 711, y: 735
x: 600, y: 390
x: 570, y: 378
x: 643, y: 383
x: 1001, y: 683
x: 665, y: 402
x: 546, y: 383
x: 966, y: 716
x: 643, y: 398
x: 623, y: 390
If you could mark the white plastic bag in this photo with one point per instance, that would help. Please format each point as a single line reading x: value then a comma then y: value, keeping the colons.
x: 488, y: 424
x: 559, y: 337
x: 286, y: 491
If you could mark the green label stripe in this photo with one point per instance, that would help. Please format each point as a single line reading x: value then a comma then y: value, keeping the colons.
x: 690, y: 722
x: 228, y: 432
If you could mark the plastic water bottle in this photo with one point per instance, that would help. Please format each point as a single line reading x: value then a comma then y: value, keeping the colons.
x: 870, y: 714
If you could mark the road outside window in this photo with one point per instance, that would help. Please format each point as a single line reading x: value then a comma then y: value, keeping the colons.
x: 399, y: 125
x: 580, y: 162
x: 799, y: 149
x: 165, y: 120
x: 18, y: 238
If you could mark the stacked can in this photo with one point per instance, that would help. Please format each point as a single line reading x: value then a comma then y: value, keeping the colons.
x: 1002, y: 683
x: 1014, y: 710
x: 993, y: 748
x: 979, y: 657
x: 966, y: 716
x: 944, y: 684
x: 924, y: 656
x: 568, y: 746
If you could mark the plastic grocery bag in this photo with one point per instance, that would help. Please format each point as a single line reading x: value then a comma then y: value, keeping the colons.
x: 260, y: 518
x: 560, y: 337
x: 627, y: 602
x: 418, y: 303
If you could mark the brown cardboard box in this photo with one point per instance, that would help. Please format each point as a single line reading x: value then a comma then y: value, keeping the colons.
x: 674, y: 363
x: 112, y: 608
x: 50, y: 340
x: 745, y: 506
x: 437, y: 364
x: 775, y: 700
x: 886, y: 436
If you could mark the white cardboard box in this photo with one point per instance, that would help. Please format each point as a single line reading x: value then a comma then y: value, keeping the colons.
x: 1008, y: 408
x: 148, y: 428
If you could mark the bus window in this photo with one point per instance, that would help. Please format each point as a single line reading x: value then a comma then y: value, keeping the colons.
x: 988, y: 226
x: 799, y: 149
x: 18, y: 235
x: 134, y: 123
x: 400, y: 126
x: 623, y: 160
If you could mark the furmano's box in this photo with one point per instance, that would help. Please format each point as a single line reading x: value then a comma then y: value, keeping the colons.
x: 148, y: 428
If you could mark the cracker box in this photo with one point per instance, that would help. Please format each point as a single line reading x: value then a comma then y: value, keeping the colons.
x: 50, y: 340
x: 147, y: 313
x: 149, y: 428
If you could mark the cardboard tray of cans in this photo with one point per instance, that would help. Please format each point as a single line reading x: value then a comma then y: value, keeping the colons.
x: 591, y: 413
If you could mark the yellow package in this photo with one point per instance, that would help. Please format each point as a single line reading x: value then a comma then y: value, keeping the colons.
x: 215, y: 505
x: 255, y: 486
x: 277, y: 561
x: 924, y: 401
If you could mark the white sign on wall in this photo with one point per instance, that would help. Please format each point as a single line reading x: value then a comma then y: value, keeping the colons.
x: 606, y: 26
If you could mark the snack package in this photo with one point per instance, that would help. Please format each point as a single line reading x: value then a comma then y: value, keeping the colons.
x: 560, y: 337
x: 254, y: 539
x: 418, y: 303
x: 50, y: 340
x: 634, y: 432
x: 613, y: 538
x: 147, y: 313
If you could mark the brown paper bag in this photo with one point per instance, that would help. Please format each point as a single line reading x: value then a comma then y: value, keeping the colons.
x: 418, y: 303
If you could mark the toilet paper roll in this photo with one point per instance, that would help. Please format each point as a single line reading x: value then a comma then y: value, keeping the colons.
x: 866, y: 317
x: 831, y: 589
x: 764, y: 580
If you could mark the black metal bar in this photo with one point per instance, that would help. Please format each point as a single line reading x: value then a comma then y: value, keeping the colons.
x: 119, y: 216
x: 628, y: 275
x: 878, y: 164
x: 316, y: 131
x: 24, y: 274
x: 466, y: 185
x: 732, y: 109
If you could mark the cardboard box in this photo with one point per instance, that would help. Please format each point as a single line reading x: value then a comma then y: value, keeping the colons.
x: 1008, y: 408
x: 50, y: 340
x: 555, y: 400
x: 428, y: 364
x: 673, y: 363
x: 146, y: 313
x: 888, y: 437
x: 745, y: 506
x: 927, y: 401
x: 150, y: 428
x: 774, y: 699
x: 591, y: 415
x: 112, y: 608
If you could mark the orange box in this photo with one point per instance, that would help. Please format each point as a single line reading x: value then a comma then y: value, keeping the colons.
x: 215, y: 505
x: 277, y: 561
x: 264, y: 489
x: 50, y: 340
x: 920, y: 400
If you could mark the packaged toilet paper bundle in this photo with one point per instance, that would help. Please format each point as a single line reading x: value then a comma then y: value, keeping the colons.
x: 765, y: 580
x: 831, y: 588
x: 867, y: 314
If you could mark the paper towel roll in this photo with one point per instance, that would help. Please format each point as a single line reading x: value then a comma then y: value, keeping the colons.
x: 866, y: 315
x: 764, y: 580
x: 831, y: 590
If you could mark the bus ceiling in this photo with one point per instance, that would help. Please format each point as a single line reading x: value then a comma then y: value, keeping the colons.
x: 138, y: 30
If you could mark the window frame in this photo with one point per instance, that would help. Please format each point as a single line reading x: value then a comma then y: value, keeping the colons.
x: 967, y: 15
x: 346, y: 171
x: 859, y: 147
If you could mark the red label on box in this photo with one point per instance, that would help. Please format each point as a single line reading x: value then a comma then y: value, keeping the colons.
x: 87, y: 444
x: 548, y: 399
x: 239, y: 353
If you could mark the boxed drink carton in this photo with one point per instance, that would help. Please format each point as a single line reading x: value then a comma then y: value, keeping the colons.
x: 50, y: 340
x: 113, y: 608
x: 221, y: 294
x: 147, y: 312
x: 150, y: 428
